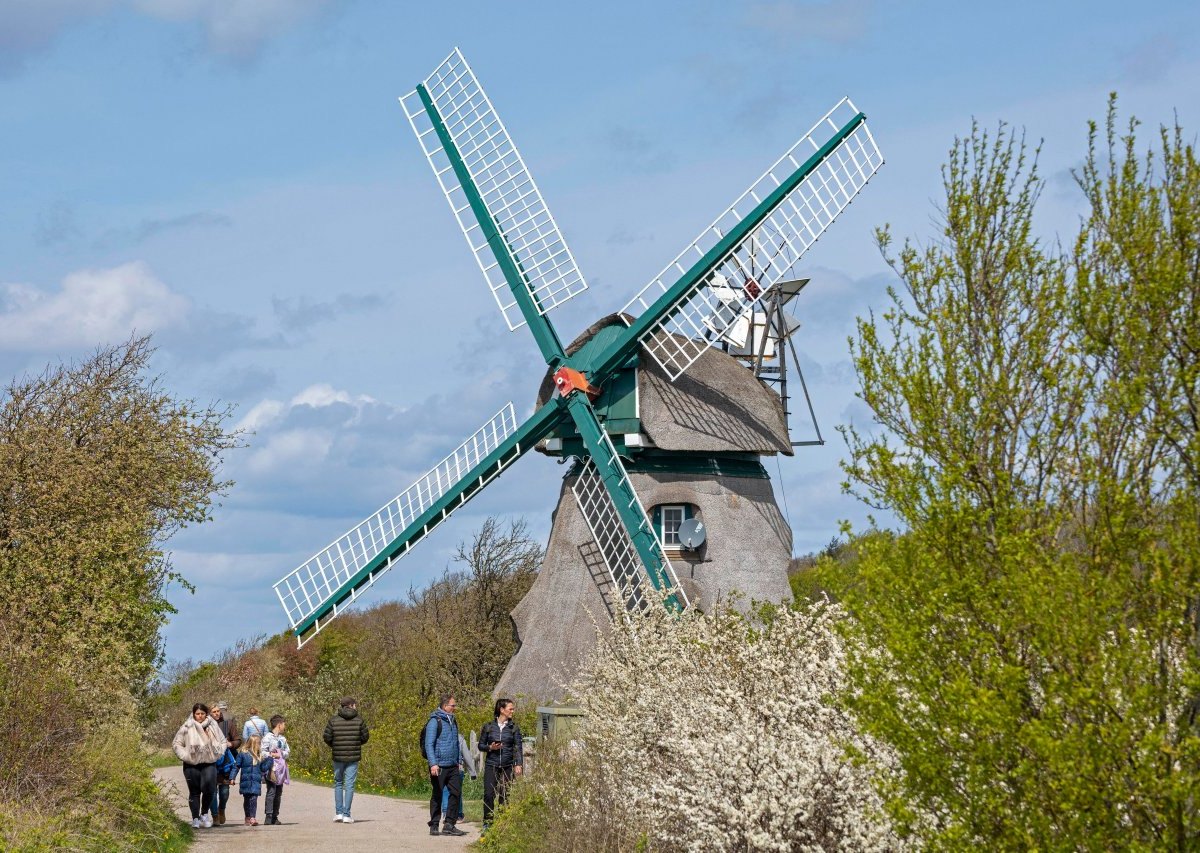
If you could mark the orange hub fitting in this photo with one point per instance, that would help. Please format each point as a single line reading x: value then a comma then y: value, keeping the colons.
x: 568, y: 380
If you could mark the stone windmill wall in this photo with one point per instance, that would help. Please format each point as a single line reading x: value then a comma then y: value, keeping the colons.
x: 717, y: 412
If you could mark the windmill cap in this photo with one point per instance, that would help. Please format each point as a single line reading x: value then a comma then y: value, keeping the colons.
x: 695, y: 413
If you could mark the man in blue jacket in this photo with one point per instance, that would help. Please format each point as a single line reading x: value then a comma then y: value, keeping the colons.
x: 439, y: 745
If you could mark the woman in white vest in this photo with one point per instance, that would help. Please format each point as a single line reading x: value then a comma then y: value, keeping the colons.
x: 198, y: 744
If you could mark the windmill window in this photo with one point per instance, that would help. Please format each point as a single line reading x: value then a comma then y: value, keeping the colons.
x: 667, y: 519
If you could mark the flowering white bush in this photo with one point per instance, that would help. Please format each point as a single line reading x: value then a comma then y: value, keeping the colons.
x: 719, y: 733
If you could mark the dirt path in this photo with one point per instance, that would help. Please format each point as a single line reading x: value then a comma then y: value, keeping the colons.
x: 380, y: 823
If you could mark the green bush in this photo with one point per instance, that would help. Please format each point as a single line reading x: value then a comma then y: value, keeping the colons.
x: 534, y: 821
x: 99, y: 795
x: 1029, y: 629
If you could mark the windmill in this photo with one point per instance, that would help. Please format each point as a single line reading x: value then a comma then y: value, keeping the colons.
x: 720, y: 279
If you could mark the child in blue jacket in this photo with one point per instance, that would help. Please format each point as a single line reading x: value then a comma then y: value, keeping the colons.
x: 253, y: 764
x: 227, y: 771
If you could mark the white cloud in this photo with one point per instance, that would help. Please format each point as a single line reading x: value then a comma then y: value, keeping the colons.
x: 91, y: 307
x: 326, y: 395
x: 293, y: 447
x: 29, y: 26
x: 297, y: 436
x: 234, y: 28
x: 260, y: 415
x: 331, y: 452
x: 266, y: 413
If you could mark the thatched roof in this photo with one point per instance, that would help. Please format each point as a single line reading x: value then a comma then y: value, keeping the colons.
x: 717, y: 405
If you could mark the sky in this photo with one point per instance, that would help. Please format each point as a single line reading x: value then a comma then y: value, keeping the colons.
x: 237, y: 178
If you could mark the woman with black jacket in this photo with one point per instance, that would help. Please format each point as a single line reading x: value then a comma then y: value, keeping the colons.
x: 502, y: 746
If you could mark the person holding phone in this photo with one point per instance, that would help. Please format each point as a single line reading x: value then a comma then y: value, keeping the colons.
x: 503, y: 746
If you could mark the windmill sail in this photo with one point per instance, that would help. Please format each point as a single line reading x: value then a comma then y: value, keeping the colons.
x: 784, y: 212
x: 513, y: 235
x: 703, y: 295
x: 631, y: 581
x: 334, y: 578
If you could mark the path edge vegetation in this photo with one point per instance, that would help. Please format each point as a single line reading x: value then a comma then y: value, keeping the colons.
x: 99, y: 466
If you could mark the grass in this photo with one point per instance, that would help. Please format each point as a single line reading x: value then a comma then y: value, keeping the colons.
x: 161, y: 757
x: 179, y: 839
x: 472, y: 791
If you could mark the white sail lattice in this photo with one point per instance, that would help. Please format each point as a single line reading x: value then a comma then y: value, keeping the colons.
x: 309, y: 587
x: 507, y: 188
x: 770, y: 252
x: 625, y: 569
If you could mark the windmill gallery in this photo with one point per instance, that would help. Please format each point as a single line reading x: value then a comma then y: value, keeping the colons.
x: 668, y: 404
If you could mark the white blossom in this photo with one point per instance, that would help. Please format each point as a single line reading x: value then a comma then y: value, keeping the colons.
x: 723, y: 733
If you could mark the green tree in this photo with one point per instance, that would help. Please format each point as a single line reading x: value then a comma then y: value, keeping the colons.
x: 1032, y: 618
x: 98, y: 467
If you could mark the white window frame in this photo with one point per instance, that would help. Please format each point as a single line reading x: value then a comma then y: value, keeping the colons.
x: 666, y: 535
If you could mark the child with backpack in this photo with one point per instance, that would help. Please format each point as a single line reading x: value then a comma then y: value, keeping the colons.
x: 252, y: 764
x: 276, y: 746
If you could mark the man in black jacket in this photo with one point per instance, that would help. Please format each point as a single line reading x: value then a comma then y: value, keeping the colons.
x: 346, y: 732
x: 503, y: 748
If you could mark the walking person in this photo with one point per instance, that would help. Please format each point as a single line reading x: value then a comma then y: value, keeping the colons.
x: 346, y: 732
x: 466, y: 765
x: 219, y: 713
x: 227, y: 770
x: 226, y: 720
x: 503, y: 748
x: 255, y: 725
x: 252, y: 764
x: 276, y: 746
x: 199, y: 744
x: 439, y: 746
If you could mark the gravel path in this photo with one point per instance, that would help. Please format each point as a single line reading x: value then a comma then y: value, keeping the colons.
x: 380, y: 823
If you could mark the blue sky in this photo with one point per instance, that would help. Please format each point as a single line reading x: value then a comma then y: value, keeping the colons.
x: 237, y: 177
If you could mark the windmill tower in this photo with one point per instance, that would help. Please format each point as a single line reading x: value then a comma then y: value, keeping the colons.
x: 692, y: 448
x: 680, y: 319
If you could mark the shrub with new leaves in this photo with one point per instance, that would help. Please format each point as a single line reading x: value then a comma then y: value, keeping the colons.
x: 1033, y: 618
x: 99, y: 466
x: 720, y: 733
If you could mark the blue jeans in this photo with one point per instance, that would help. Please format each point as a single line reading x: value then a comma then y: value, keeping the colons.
x: 220, y: 799
x: 345, y: 773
